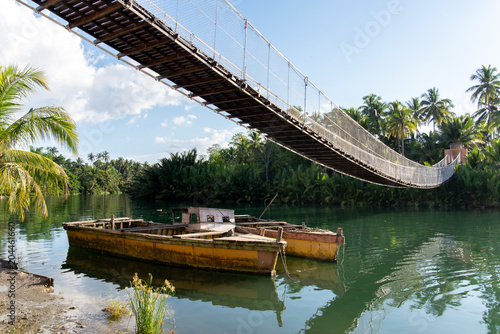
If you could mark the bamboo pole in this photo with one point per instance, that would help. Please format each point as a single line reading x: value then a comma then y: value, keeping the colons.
x: 268, y: 205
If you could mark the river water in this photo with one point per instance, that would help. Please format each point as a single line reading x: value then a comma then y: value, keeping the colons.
x: 403, y: 271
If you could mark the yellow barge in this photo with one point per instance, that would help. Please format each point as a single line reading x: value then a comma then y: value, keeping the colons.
x: 302, y: 241
x: 181, y: 244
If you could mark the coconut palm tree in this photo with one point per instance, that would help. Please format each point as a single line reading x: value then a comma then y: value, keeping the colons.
x: 355, y: 114
x: 489, y: 116
x: 488, y: 86
x: 26, y: 176
x: 316, y: 116
x: 434, y: 109
x: 256, y: 141
x: 492, y: 153
x: 461, y: 130
x: 91, y: 158
x: 429, y: 149
x: 414, y: 105
x: 486, y: 93
x: 400, y: 123
x: 52, y: 151
x: 374, y: 110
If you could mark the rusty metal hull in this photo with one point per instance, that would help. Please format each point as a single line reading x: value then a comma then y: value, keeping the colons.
x: 232, y: 253
x: 309, y: 243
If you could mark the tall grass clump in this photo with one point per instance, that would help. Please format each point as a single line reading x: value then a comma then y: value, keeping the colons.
x: 149, y: 304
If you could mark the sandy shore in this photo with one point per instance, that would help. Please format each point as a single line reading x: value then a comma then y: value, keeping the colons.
x: 39, y: 310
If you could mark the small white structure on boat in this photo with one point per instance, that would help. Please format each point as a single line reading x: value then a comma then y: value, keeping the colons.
x: 204, y: 218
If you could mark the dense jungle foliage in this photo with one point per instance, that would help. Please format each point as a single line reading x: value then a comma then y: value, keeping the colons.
x: 253, y: 170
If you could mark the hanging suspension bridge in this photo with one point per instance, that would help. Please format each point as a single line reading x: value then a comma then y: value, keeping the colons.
x: 209, y: 52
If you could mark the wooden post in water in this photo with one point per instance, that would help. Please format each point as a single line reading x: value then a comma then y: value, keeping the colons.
x: 279, y: 236
x: 112, y: 222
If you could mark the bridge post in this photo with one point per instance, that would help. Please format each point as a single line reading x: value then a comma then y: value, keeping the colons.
x: 177, y: 16
x: 245, y: 52
x: 305, y: 97
x: 215, y: 25
x: 268, y: 67
x: 288, y: 87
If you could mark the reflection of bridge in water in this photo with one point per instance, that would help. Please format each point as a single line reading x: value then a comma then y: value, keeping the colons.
x: 210, y: 53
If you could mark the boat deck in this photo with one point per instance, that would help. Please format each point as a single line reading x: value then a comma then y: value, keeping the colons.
x: 177, y: 244
x: 302, y: 241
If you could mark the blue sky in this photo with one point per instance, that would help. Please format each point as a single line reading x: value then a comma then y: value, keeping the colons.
x: 349, y: 49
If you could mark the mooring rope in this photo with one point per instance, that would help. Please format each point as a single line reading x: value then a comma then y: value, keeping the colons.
x: 283, y: 260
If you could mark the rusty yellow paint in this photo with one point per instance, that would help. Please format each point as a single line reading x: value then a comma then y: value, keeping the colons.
x: 324, y: 251
x: 194, y: 253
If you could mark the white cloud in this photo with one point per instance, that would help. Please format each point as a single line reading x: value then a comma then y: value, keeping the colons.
x: 164, y: 123
x: 89, y: 93
x: 181, y: 120
x: 160, y: 140
x: 220, y: 137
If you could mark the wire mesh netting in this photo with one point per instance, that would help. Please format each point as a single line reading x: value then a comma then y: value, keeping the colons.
x: 221, y: 32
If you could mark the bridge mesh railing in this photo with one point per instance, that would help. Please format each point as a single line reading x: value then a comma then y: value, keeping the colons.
x: 221, y: 32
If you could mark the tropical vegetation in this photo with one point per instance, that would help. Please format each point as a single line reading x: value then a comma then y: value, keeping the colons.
x: 252, y: 169
x: 26, y: 176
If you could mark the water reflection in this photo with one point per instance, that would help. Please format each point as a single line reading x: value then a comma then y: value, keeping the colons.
x: 320, y: 275
x: 224, y: 289
x: 428, y: 272
x: 404, y: 271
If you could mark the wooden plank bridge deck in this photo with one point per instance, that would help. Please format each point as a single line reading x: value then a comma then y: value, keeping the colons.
x: 133, y: 32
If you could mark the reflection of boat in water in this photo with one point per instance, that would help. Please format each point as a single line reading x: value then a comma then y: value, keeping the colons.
x: 208, y: 242
x: 225, y: 289
x: 323, y: 275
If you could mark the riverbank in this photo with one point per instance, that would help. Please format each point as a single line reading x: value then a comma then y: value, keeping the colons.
x: 39, y: 310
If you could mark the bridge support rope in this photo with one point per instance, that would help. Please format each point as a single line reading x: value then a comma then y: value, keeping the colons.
x: 152, y: 36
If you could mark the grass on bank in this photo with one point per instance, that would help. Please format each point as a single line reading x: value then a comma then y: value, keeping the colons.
x: 149, y: 304
x: 116, y: 310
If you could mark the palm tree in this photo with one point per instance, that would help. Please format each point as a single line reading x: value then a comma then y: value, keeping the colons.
x: 316, y: 116
x: 488, y: 86
x: 461, y: 130
x: 374, y: 110
x: 489, y: 115
x: 26, y: 176
x: 414, y: 105
x: 105, y: 156
x: 91, y: 158
x: 434, y: 109
x: 355, y: 114
x: 79, y: 162
x: 52, y: 151
x: 429, y: 148
x: 256, y: 141
x: 243, y: 147
x: 492, y: 153
x: 400, y: 122
x: 485, y: 93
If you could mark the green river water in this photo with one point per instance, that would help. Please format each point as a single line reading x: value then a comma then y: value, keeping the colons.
x: 403, y: 271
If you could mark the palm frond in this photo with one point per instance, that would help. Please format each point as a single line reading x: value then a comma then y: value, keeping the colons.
x: 16, y: 84
x: 26, y: 177
x: 40, y: 124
